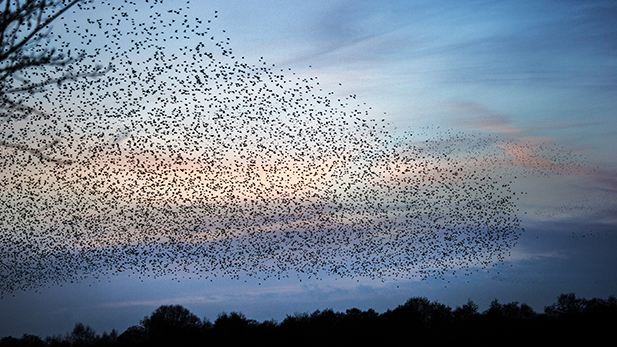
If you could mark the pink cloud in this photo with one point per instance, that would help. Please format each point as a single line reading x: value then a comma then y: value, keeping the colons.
x: 477, y: 116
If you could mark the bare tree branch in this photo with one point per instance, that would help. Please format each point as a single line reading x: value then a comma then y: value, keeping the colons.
x: 28, y: 65
x: 23, y: 13
x: 37, y: 152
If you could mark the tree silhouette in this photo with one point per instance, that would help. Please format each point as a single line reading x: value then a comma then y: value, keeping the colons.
x: 233, y: 327
x: 29, y: 64
x: 466, y: 312
x: 57, y: 341
x: 426, y: 322
x: 133, y: 336
x: 108, y: 339
x: 568, y: 305
x: 171, y: 323
x: 26, y: 340
x: 418, y: 313
x: 82, y: 335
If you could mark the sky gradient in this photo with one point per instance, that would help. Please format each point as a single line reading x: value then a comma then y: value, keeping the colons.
x: 533, y: 81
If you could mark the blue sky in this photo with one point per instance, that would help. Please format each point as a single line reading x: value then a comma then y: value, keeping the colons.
x: 538, y: 76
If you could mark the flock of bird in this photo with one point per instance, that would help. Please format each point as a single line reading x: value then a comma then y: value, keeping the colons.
x: 186, y: 158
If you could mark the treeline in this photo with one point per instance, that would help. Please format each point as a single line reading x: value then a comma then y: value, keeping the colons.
x: 418, y: 321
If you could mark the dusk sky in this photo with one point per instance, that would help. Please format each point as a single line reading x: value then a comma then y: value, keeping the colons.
x: 447, y: 95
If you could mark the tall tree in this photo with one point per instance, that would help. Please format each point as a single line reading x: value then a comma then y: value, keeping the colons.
x: 82, y: 335
x: 29, y: 62
x: 171, y: 323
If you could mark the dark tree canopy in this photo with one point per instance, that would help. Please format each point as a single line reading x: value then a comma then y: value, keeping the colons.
x: 171, y: 321
x: 428, y: 322
x: 82, y: 335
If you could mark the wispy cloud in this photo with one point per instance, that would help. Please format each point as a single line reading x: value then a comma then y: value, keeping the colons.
x: 239, y: 293
x: 474, y: 115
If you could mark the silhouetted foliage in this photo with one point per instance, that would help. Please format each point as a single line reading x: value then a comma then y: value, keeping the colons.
x: 57, y: 341
x: 418, y: 320
x: 108, y: 339
x: 466, y: 312
x: 573, y: 317
x: 171, y: 324
x: 510, y: 311
x: 233, y: 328
x: 567, y: 306
x: 235, y: 321
x: 82, y: 335
x: 133, y: 336
x: 26, y: 340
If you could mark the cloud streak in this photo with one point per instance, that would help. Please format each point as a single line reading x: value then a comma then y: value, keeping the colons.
x: 473, y: 115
